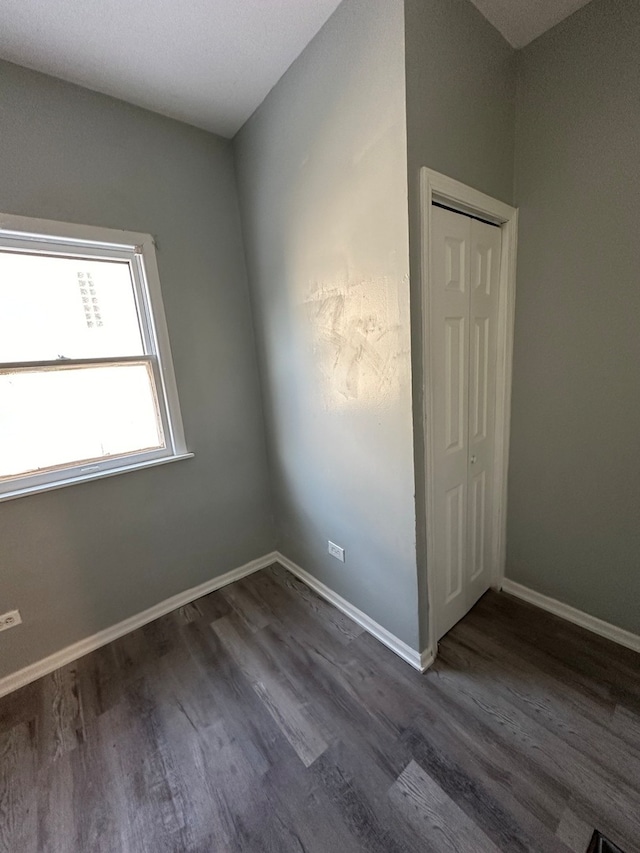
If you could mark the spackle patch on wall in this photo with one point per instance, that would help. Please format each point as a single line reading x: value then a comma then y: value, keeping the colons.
x: 359, y: 345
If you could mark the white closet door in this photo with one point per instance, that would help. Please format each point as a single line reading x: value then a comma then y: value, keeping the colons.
x: 483, y: 320
x: 464, y: 298
x: 450, y: 306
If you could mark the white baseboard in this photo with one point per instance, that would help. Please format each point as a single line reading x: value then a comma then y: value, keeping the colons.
x: 77, y: 650
x: 427, y: 657
x: 420, y: 661
x: 571, y: 614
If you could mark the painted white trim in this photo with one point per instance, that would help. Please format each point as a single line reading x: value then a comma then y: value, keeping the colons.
x: 139, y: 250
x: 437, y: 187
x: 571, y: 614
x: 420, y: 661
x: 16, y: 680
x: 427, y: 657
x: 504, y: 368
x: 95, y: 475
x: 77, y: 650
x: 72, y: 232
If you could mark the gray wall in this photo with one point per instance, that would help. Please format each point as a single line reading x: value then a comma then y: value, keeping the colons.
x: 82, y: 558
x: 460, y: 121
x: 574, y: 486
x: 322, y: 169
x: 322, y: 176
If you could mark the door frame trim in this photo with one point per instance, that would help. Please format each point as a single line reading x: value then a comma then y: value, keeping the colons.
x: 458, y: 196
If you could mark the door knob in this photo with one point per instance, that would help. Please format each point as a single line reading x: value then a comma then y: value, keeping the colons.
x: 473, y: 460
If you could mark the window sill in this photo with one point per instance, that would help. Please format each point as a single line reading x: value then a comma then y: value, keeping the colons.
x: 94, y: 475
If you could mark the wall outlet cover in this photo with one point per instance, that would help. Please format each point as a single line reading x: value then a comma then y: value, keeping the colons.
x: 336, y: 551
x: 10, y: 620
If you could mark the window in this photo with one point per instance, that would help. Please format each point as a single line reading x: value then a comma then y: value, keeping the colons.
x: 86, y: 380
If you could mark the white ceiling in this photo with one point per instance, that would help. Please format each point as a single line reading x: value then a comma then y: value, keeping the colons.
x: 206, y: 62
x: 521, y: 21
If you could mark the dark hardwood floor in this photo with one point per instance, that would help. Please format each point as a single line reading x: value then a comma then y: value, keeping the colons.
x: 259, y: 718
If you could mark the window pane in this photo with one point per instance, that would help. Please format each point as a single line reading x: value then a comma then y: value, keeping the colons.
x: 59, y: 416
x: 58, y: 307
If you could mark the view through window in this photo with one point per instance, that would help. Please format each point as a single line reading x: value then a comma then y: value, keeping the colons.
x: 81, y: 387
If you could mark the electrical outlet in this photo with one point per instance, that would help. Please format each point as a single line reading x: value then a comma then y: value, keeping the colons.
x: 336, y: 551
x: 10, y: 620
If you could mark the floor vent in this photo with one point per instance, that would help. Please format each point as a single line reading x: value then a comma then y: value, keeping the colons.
x: 600, y: 844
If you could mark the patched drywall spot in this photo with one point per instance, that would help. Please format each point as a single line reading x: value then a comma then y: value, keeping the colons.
x: 360, y: 344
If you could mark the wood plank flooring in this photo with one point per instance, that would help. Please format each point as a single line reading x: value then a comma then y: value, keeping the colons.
x: 259, y: 718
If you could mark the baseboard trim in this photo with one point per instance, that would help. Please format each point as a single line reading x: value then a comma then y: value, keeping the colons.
x: 16, y: 680
x: 77, y: 650
x: 427, y: 658
x: 420, y: 661
x: 571, y: 614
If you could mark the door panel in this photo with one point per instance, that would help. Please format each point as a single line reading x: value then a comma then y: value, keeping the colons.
x: 477, y: 517
x: 456, y: 536
x: 450, y: 308
x: 465, y: 261
x: 455, y: 356
x: 483, y: 319
x: 456, y: 250
x: 478, y: 387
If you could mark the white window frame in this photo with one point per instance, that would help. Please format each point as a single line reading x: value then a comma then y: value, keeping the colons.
x: 48, y: 237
